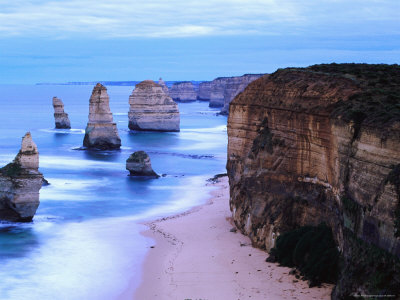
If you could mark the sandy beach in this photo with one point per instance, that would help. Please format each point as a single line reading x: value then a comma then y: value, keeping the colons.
x: 196, y: 255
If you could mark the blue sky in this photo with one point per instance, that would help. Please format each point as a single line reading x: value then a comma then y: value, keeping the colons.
x: 87, y: 40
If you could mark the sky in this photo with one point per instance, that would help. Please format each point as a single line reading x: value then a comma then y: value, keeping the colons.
x: 122, y: 40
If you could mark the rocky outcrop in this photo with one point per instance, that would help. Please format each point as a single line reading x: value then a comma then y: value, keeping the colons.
x: 224, y: 89
x: 183, y: 91
x: 321, y: 144
x: 20, y: 182
x: 163, y: 85
x: 60, y: 117
x: 101, y: 132
x: 138, y: 164
x: 152, y: 109
x: 204, y: 91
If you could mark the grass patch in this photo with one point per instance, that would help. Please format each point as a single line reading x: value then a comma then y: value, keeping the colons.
x: 138, y: 157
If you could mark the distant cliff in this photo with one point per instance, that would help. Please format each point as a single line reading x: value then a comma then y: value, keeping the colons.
x: 322, y: 144
x: 222, y: 90
x: 183, y: 91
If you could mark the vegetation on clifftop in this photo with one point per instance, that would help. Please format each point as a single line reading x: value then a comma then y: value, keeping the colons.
x: 138, y: 157
x: 378, y: 104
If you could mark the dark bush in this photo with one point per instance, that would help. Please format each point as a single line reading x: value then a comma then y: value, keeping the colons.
x: 312, y: 250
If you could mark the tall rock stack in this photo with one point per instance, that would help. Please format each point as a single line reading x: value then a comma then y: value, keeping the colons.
x: 152, y: 109
x: 183, y: 91
x: 20, y: 182
x: 163, y: 85
x: 204, y: 90
x: 60, y: 117
x: 101, y: 132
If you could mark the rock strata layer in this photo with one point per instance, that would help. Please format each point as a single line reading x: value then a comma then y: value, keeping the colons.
x: 152, y: 109
x: 20, y: 182
x: 101, y: 132
x: 60, y: 117
x: 322, y: 144
x: 138, y: 164
x: 204, y: 90
x: 183, y: 91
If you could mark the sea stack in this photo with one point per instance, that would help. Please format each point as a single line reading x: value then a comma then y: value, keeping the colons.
x: 183, y: 91
x: 60, y: 117
x: 204, y: 91
x: 152, y: 109
x: 20, y: 182
x: 163, y: 85
x: 138, y: 164
x: 101, y: 132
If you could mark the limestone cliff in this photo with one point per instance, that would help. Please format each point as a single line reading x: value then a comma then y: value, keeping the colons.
x: 101, y: 132
x: 204, y: 90
x: 183, y: 91
x: 20, y: 182
x: 322, y: 144
x: 224, y: 89
x: 60, y: 117
x: 152, y: 109
x: 163, y: 85
x: 234, y: 86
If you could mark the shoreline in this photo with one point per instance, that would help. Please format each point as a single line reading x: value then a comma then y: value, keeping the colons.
x: 197, y: 255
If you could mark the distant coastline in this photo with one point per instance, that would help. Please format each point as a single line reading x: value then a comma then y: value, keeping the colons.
x: 112, y: 83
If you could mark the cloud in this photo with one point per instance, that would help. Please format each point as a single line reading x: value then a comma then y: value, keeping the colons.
x: 154, y: 18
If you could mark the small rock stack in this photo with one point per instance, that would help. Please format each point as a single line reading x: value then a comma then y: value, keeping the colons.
x: 60, y: 117
x: 20, y: 182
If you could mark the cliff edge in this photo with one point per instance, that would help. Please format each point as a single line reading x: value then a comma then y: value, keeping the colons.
x: 322, y: 145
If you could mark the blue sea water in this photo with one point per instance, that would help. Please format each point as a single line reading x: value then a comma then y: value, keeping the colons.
x: 84, y: 241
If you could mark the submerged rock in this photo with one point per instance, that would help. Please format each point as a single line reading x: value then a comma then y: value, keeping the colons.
x: 60, y: 117
x: 152, y: 109
x: 101, y: 132
x: 183, y: 91
x: 20, y: 182
x: 163, y: 85
x: 138, y: 164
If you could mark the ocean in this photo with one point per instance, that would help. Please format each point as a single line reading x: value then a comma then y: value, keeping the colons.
x: 84, y: 241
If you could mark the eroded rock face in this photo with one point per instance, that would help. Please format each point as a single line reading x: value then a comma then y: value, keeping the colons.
x: 60, y: 117
x: 151, y: 109
x: 101, y: 132
x: 183, y: 91
x: 224, y: 89
x: 20, y: 182
x: 138, y: 164
x: 204, y: 90
x: 293, y: 162
x: 163, y: 85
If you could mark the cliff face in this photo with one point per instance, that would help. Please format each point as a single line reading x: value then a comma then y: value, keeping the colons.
x: 60, y: 117
x: 152, y: 109
x: 301, y: 152
x: 101, y: 132
x: 224, y: 89
x: 204, y: 90
x: 20, y: 182
x: 183, y: 91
